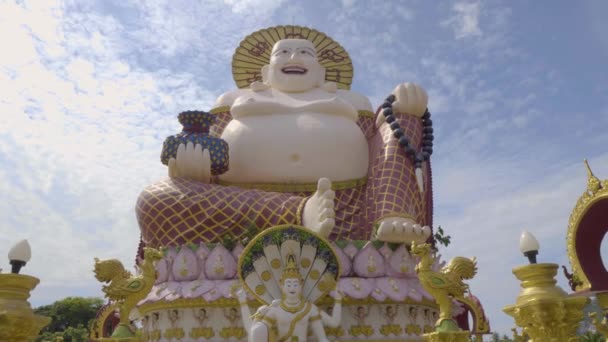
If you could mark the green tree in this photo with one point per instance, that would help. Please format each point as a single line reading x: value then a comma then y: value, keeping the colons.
x: 70, y: 318
x: 496, y: 338
x: 591, y: 336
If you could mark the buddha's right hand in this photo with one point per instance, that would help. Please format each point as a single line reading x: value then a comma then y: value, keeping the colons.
x: 191, y: 162
x: 318, y: 214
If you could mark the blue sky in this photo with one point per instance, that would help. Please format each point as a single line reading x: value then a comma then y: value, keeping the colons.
x: 89, y: 90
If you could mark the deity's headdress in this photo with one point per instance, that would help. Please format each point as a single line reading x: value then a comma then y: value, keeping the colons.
x: 291, y: 270
x: 288, y: 252
x: 254, y: 52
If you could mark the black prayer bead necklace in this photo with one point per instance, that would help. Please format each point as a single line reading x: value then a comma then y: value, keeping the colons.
x: 427, y: 134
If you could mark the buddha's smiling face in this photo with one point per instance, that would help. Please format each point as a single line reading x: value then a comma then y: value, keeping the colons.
x: 294, y: 66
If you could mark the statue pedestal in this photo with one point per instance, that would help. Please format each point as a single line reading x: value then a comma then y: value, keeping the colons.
x: 447, y: 336
x: 17, y: 319
x: 543, y: 310
x: 447, y: 331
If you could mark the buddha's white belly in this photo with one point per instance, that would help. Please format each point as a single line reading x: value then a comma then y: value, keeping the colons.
x: 294, y: 148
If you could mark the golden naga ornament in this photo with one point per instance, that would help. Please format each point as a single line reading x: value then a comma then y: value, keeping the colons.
x: 124, y: 288
x: 586, y: 228
x: 445, y: 286
x: 254, y: 52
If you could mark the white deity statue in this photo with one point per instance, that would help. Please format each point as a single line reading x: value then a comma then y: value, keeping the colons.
x: 289, y: 318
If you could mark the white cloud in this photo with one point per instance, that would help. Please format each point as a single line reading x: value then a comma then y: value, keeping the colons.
x: 348, y: 3
x: 80, y: 138
x: 257, y: 6
x: 465, y: 21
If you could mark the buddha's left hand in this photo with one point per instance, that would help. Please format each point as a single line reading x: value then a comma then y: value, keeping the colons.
x: 410, y: 98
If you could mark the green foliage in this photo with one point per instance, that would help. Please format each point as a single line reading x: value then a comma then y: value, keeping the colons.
x: 229, y: 242
x: 592, y: 337
x: 587, y: 337
x: 251, y: 231
x: 441, y: 237
x: 495, y: 336
x: 70, y: 318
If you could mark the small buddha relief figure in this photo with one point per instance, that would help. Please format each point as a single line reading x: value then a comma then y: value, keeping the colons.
x: 184, y: 269
x: 233, y: 329
x: 174, y: 318
x: 202, y: 330
x: 412, y: 327
x: 145, y: 321
x: 175, y: 331
x: 404, y: 264
x: 201, y: 317
x: 390, y: 315
x: 429, y: 324
x: 155, y: 332
x: 371, y: 264
x: 337, y: 331
x: 360, y: 314
x: 219, y: 265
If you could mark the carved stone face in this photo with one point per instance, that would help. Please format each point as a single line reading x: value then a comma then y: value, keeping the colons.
x: 292, y: 289
x: 413, y: 312
x: 293, y: 66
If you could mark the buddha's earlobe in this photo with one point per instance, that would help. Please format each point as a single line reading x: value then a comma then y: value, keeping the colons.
x: 321, y: 81
x: 330, y: 87
x: 265, y: 70
x: 256, y: 86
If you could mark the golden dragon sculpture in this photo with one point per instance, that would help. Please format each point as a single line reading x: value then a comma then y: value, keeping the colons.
x: 444, y: 285
x: 125, y: 289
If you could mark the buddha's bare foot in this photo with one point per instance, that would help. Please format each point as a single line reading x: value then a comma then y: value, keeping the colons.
x: 401, y: 230
x: 319, y: 214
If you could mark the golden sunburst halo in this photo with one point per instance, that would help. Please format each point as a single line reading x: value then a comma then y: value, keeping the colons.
x: 254, y: 52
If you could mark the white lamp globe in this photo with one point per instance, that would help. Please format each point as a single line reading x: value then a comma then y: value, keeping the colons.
x: 528, y: 243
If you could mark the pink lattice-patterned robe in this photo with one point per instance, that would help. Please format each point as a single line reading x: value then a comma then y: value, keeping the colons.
x: 179, y: 211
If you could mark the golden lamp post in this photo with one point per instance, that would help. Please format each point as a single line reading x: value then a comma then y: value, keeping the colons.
x: 544, y: 311
x: 17, y: 319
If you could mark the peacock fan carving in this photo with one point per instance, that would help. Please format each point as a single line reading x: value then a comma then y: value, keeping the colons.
x: 124, y: 288
x: 445, y: 285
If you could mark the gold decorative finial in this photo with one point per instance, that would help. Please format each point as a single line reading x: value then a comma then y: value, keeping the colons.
x: 593, y: 183
x: 291, y: 269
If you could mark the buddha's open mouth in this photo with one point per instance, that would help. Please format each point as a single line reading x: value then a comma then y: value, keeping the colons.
x: 294, y: 70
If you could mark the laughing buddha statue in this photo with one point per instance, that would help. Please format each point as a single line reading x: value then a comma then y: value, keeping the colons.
x: 303, y: 150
